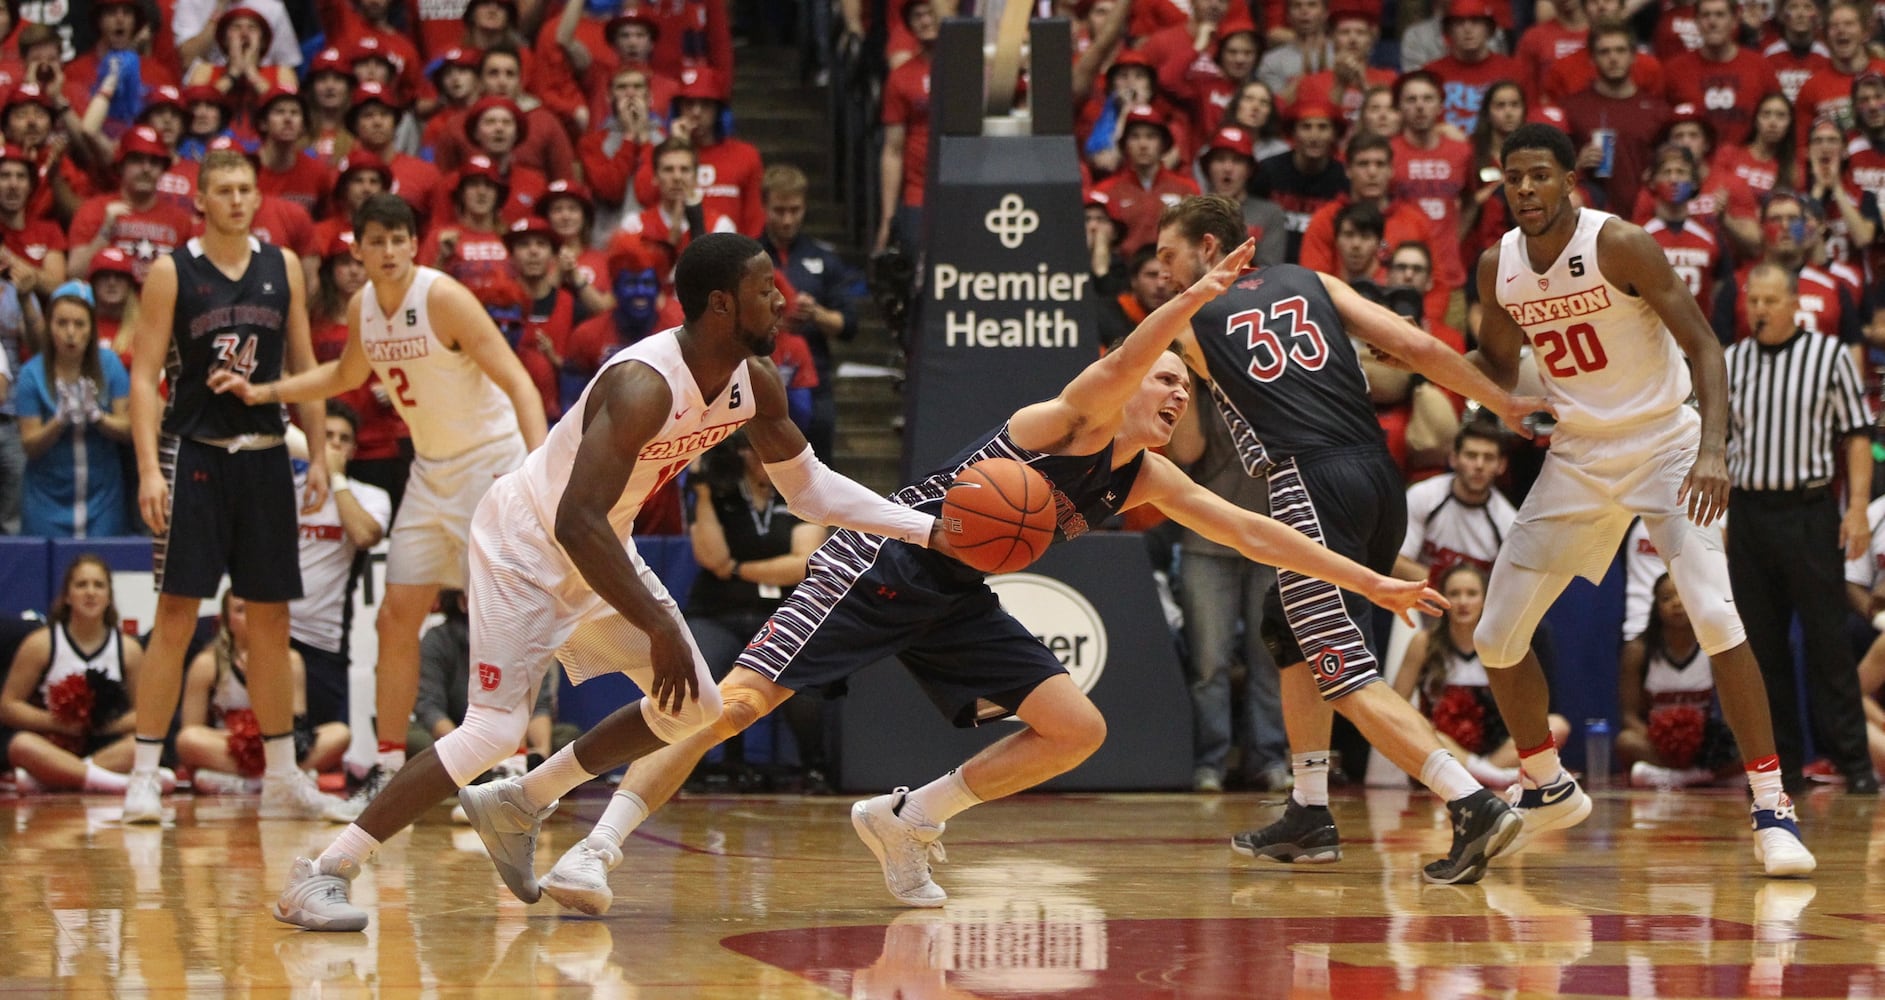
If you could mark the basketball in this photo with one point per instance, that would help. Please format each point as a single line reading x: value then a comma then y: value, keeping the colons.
x: 999, y: 515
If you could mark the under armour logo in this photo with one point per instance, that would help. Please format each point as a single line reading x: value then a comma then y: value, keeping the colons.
x: 886, y: 593
x: 1012, y: 221
x: 268, y: 288
x: 1112, y: 496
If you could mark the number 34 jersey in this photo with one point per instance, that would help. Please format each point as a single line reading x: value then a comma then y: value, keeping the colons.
x: 449, y: 403
x: 1606, y: 359
x: 223, y: 323
x: 1282, y: 365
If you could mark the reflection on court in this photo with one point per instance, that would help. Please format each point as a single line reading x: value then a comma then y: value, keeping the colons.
x: 1072, y: 896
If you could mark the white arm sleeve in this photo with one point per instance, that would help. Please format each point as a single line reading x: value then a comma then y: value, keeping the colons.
x: 817, y: 494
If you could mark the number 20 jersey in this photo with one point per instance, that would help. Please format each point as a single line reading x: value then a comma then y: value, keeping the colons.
x: 1283, y: 365
x: 1606, y: 359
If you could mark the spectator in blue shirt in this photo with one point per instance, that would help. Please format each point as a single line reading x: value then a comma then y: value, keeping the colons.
x: 74, y: 413
x: 826, y: 288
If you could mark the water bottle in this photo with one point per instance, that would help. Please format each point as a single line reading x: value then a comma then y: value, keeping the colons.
x: 1597, y: 753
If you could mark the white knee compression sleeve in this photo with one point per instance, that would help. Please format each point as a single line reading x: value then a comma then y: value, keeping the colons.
x: 1702, y: 580
x: 1513, y: 611
x: 487, y: 737
x: 817, y: 494
x: 693, y: 717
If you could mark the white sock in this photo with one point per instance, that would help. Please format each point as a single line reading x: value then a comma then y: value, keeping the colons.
x: 934, y: 803
x: 391, y: 760
x: 1767, y: 789
x: 553, y: 777
x: 353, y: 844
x: 1541, y: 767
x: 1311, y: 771
x: 97, y: 779
x: 620, y: 817
x: 146, y: 755
x: 278, y: 753
x: 1444, y: 775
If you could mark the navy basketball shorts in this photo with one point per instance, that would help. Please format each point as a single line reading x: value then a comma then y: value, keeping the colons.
x: 1351, y: 500
x: 866, y: 599
x: 232, y: 511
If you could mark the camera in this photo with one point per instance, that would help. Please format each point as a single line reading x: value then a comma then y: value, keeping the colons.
x: 892, y: 280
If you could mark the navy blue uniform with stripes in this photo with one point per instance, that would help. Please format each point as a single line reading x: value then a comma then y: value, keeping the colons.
x: 1291, y: 389
x: 232, y: 494
x: 865, y: 597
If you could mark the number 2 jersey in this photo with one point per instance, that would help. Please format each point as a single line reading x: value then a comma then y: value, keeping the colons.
x: 1606, y: 359
x: 448, y: 402
x: 222, y: 323
x: 1283, y: 370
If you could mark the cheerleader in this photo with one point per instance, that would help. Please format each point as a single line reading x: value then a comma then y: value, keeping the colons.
x: 220, y: 737
x: 66, y: 705
x: 1442, y: 671
x: 1673, y: 733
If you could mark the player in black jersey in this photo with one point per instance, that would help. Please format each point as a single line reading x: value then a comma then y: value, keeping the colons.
x: 1276, y: 349
x: 216, y: 486
x: 865, y: 598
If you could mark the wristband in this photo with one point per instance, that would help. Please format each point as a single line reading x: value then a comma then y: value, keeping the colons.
x: 339, y: 484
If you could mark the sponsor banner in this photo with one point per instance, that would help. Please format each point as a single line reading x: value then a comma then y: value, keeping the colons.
x: 1004, y: 313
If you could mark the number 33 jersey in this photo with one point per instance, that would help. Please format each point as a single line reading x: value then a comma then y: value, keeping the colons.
x: 1604, y: 355
x: 222, y: 323
x: 449, y: 403
x: 1282, y: 365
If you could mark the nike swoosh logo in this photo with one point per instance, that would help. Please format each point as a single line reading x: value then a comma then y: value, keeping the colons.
x: 1510, y: 278
x: 1551, y: 799
x: 681, y: 414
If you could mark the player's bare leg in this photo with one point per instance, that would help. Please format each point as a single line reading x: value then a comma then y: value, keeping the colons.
x: 287, y: 792
x: 1305, y: 833
x: 159, y: 684
x: 580, y: 878
x: 403, y: 609
x: 901, y: 828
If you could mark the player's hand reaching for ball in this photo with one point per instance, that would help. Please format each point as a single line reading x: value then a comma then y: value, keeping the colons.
x: 675, y: 682
x: 1404, y: 597
x: 1705, y: 488
x: 939, y: 541
x: 224, y: 380
x: 1515, y: 412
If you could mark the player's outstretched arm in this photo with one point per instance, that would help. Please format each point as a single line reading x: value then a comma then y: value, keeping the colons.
x: 310, y: 384
x: 1267, y: 540
x: 156, y: 310
x: 1630, y: 259
x: 454, y: 308
x: 1411, y: 347
x: 627, y: 407
x: 1097, y: 396
x: 812, y: 491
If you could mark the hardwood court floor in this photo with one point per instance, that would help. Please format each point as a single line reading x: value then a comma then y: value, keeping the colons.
x: 1076, y: 896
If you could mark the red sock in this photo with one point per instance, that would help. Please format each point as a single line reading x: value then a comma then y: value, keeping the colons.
x: 1548, y: 744
x: 389, y: 746
x: 1771, y: 762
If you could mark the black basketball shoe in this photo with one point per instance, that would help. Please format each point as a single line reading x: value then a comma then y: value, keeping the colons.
x: 1305, y: 835
x: 1482, y: 827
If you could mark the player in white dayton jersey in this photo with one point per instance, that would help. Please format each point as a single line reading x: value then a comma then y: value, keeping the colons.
x: 1609, y: 323
x: 473, y: 412
x: 555, y: 575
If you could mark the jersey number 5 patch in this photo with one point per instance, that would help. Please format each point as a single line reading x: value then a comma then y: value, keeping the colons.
x: 1279, y: 335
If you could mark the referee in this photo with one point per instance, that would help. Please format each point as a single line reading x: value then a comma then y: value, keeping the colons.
x: 1794, y: 395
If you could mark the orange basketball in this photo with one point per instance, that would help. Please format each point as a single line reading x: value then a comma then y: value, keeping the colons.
x: 999, y: 515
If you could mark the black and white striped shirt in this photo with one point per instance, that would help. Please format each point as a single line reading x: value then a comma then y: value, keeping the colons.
x: 1789, y: 404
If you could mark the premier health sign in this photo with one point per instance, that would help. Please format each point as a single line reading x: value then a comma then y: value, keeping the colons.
x: 1005, y: 316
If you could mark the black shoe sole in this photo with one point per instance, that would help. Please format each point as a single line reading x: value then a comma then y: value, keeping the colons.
x: 1495, y: 840
x: 1291, y: 854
